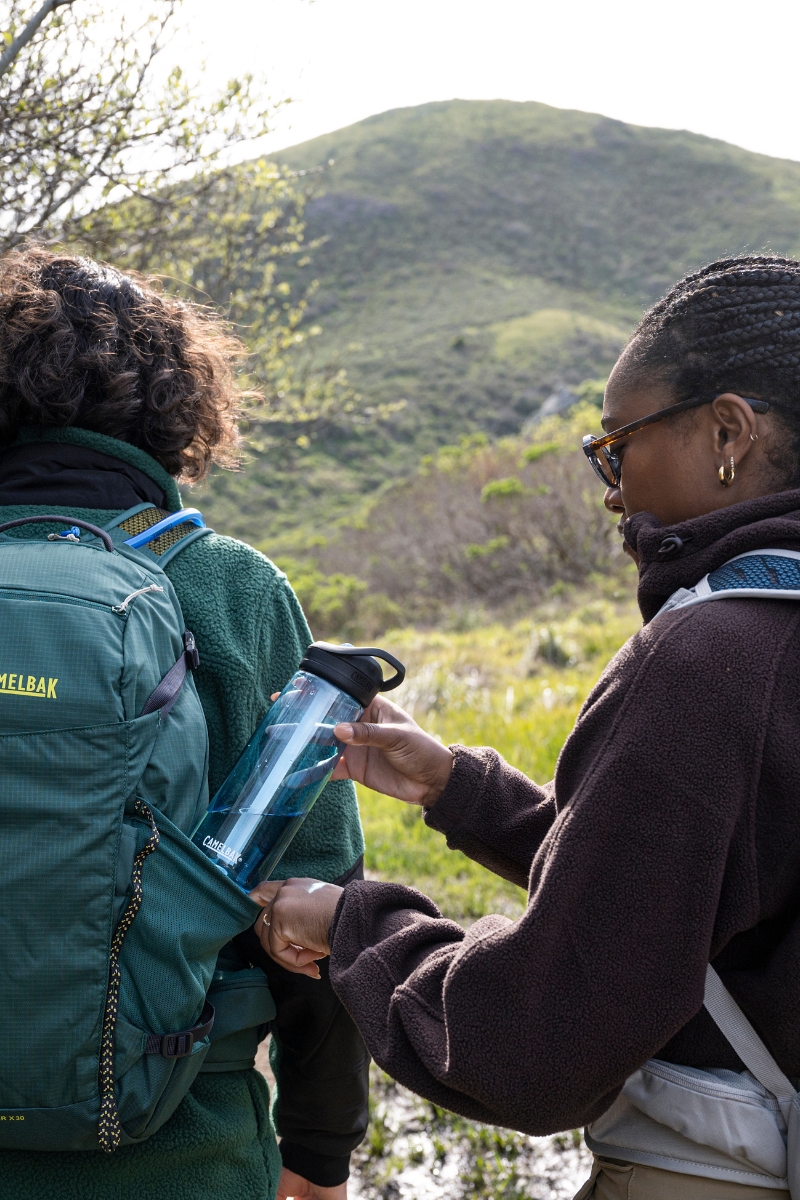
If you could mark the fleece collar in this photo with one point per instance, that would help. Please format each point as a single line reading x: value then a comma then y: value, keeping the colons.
x: 114, y: 448
x: 678, y: 556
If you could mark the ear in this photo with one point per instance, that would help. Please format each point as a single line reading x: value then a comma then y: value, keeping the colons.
x: 735, y: 427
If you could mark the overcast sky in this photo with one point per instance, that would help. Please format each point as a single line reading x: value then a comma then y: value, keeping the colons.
x: 727, y: 69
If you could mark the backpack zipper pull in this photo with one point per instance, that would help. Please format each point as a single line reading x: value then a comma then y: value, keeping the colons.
x: 73, y: 534
x: 121, y: 609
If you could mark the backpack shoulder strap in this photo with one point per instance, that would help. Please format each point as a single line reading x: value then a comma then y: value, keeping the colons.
x: 162, y: 534
x: 159, y: 536
x: 759, y: 574
x: 732, y: 1022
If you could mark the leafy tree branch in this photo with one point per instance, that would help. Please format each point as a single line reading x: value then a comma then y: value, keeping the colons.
x: 21, y: 41
x: 101, y: 149
x: 84, y: 119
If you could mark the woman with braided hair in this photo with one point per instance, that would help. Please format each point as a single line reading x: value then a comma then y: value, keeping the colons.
x: 670, y: 837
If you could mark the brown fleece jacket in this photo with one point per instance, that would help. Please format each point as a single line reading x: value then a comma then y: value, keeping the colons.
x: 670, y: 836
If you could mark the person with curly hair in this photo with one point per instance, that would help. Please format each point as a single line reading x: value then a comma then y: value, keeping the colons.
x: 111, y: 392
x: 650, y: 990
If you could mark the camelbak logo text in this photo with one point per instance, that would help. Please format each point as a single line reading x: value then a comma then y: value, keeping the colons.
x: 30, y: 685
x: 233, y: 856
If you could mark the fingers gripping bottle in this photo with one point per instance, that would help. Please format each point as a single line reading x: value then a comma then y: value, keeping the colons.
x: 289, y: 759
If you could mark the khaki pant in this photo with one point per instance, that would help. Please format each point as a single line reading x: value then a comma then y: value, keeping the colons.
x: 629, y: 1181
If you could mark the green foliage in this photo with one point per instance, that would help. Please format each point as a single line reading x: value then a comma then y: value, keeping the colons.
x: 452, y: 229
x: 565, y: 431
x: 500, y: 489
x: 553, y: 342
x: 464, y: 530
x: 329, y: 601
x: 592, y: 391
x: 484, y: 549
x: 85, y: 121
x: 339, y: 606
x: 535, y: 452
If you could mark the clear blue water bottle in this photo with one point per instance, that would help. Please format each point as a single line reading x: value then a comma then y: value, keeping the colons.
x: 289, y: 759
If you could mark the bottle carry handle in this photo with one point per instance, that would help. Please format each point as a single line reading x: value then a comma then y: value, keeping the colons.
x: 388, y: 685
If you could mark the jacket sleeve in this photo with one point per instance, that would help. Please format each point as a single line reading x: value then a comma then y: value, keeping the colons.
x: 535, y: 1024
x: 322, y: 1107
x: 493, y: 813
x: 321, y: 1066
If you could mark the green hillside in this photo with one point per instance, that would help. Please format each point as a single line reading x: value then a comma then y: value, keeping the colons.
x: 478, y: 254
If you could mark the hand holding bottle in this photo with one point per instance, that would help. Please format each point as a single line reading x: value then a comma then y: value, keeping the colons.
x: 287, y: 762
x: 388, y: 752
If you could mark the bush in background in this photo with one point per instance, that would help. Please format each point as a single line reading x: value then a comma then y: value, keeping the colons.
x: 339, y: 606
x: 493, y: 526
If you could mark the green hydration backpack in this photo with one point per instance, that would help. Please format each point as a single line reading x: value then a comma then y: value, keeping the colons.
x: 111, y: 918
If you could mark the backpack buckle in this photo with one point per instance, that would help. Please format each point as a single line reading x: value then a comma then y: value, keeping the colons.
x: 191, y: 652
x: 179, y: 1045
x: 170, y: 1045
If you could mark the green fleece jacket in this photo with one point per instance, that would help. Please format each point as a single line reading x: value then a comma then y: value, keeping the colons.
x: 221, y: 1142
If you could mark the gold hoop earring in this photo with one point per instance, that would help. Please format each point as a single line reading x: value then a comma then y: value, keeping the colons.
x: 726, y: 474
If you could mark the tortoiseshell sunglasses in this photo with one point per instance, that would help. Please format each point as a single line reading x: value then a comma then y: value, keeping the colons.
x: 606, y: 464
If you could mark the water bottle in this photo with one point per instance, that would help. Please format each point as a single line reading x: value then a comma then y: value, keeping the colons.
x: 289, y: 759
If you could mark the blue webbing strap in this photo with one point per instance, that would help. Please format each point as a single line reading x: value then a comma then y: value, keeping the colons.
x: 756, y: 574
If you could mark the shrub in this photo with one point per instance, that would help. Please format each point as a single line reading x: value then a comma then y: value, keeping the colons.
x: 484, y: 523
x: 501, y: 489
x: 535, y: 452
x: 339, y: 606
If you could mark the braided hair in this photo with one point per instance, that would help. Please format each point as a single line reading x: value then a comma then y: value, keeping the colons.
x: 734, y: 326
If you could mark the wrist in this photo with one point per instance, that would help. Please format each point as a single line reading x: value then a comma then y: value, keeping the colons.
x: 441, y: 777
x: 333, y: 896
x: 457, y: 798
x: 323, y: 1170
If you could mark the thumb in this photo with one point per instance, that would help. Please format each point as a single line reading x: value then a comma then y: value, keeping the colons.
x: 266, y: 891
x: 365, y: 733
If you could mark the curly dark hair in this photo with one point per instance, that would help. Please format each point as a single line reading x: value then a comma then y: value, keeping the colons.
x: 82, y: 344
x: 734, y: 326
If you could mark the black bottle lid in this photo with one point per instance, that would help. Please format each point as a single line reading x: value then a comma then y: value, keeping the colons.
x: 354, y: 669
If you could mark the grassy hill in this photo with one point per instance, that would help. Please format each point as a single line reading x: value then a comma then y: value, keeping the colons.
x: 478, y: 254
